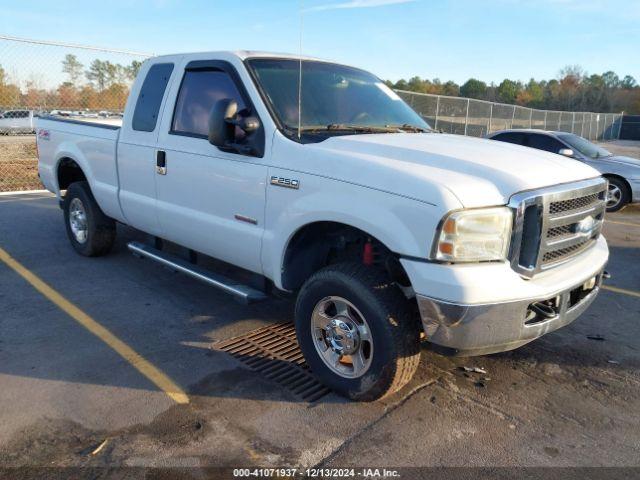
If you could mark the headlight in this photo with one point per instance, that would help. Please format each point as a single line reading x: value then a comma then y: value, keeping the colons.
x: 474, y: 235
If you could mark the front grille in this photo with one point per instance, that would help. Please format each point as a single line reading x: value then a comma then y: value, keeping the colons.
x: 573, y: 204
x: 561, y: 231
x: 561, y: 253
x: 552, y: 225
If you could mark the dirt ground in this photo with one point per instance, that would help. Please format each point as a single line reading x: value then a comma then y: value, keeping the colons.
x: 18, y: 163
x: 629, y: 148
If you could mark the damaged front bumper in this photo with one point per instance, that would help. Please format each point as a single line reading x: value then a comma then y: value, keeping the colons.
x: 468, y: 330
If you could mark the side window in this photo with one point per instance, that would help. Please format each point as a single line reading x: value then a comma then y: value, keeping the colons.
x: 544, y: 142
x: 510, y: 137
x: 145, y: 116
x: 199, y: 91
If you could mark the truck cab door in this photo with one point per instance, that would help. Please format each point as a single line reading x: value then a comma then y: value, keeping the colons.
x: 209, y: 200
x: 136, y: 156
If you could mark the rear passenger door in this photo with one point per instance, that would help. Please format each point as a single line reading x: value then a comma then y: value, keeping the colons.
x: 137, y: 150
x: 209, y: 200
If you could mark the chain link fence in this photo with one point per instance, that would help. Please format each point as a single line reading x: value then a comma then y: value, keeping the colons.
x: 477, y: 118
x: 42, y: 78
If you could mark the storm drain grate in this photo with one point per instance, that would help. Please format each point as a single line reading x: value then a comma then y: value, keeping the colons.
x: 273, y: 351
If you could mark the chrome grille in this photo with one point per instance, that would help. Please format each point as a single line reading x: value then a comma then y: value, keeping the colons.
x: 573, y: 204
x: 563, y: 252
x: 560, y: 231
x: 552, y: 225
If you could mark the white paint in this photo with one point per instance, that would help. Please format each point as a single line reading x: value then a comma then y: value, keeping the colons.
x: 396, y: 187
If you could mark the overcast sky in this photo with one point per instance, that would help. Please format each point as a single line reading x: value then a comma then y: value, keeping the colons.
x: 488, y: 39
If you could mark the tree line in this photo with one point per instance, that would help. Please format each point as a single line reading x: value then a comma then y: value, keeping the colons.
x: 103, y: 85
x: 574, y: 90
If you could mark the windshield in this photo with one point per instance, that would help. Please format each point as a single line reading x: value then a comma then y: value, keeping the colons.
x: 334, y: 98
x: 584, y: 146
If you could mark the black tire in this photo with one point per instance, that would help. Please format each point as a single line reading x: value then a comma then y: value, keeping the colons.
x: 624, y: 196
x: 394, y: 329
x: 100, y: 229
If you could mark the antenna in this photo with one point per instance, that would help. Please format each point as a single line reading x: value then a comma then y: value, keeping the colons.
x: 300, y: 75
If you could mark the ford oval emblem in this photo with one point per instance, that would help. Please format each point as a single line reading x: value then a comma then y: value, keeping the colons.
x: 585, y: 226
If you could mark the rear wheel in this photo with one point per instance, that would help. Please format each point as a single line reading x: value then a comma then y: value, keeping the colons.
x: 90, y: 231
x: 617, y: 194
x: 356, y: 331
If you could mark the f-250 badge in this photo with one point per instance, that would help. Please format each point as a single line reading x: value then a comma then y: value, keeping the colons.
x: 285, y: 182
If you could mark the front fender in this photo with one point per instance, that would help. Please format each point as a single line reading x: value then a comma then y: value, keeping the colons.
x: 405, y: 226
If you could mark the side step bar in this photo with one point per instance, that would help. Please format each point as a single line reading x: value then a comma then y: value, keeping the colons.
x: 243, y: 293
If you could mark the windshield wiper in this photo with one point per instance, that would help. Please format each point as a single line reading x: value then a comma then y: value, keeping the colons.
x: 340, y: 127
x: 343, y: 127
x: 407, y: 127
x: 360, y: 128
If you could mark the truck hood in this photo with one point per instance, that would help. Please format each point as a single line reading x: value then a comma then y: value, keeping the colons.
x: 478, y: 172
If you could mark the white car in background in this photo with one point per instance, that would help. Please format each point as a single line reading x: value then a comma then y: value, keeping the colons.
x: 17, y: 121
x: 623, y: 173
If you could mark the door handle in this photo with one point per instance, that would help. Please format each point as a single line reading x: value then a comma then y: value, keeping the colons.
x: 161, y: 162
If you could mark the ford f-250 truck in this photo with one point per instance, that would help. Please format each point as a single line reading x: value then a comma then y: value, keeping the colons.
x: 320, y: 180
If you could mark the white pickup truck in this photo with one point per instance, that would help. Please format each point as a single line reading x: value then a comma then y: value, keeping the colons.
x: 333, y: 188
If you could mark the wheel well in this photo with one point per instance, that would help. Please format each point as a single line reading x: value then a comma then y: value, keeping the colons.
x: 319, y: 244
x: 68, y: 172
x: 622, y: 179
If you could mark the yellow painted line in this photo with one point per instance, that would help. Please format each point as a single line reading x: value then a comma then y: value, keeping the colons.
x: 161, y: 380
x: 622, y: 223
x: 624, y: 291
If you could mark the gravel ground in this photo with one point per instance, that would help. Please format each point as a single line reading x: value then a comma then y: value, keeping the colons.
x: 629, y: 148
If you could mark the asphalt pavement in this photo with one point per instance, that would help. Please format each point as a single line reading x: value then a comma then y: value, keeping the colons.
x: 93, y: 361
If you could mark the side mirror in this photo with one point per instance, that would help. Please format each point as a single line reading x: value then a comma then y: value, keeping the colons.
x: 223, y: 120
x: 567, y: 152
x: 221, y: 131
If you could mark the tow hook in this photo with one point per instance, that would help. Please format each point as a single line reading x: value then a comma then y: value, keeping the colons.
x: 543, y: 309
x: 606, y: 275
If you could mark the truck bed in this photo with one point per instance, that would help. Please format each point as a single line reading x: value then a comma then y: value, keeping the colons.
x: 92, y: 144
x: 111, y: 123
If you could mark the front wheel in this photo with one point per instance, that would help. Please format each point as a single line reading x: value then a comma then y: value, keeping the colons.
x: 356, y: 331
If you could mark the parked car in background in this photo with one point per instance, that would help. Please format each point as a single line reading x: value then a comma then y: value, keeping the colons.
x: 17, y: 121
x: 623, y: 173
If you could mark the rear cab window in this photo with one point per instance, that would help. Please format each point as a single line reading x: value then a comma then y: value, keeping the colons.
x: 145, y: 115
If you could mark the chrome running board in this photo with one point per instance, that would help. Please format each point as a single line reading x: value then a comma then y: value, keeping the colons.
x: 243, y: 293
